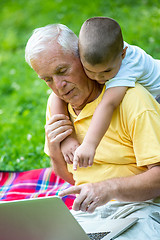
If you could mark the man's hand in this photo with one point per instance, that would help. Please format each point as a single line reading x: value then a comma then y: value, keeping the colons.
x: 58, y: 128
x: 84, y: 156
x: 91, y: 195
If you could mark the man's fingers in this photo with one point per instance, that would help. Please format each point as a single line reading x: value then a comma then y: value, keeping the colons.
x: 91, y: 207
x: 56, y: 118
x: 71, y: 190
x: 58, y: 131
x: 61, y: 136
x: 80, y: 199
x: 85, y: 203
x: 57, y: 125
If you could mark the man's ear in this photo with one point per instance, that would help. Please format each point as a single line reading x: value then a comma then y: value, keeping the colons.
x: 124, y: 52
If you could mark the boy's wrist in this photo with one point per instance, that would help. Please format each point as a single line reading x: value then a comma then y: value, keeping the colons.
x: 91, y: 144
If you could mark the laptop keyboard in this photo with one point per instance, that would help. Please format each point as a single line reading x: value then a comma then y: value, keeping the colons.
x: 97, y: 236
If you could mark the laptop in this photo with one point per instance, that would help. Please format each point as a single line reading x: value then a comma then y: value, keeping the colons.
x: 48, y: 219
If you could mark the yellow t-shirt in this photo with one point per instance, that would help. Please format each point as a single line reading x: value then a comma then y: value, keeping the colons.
x: 131, y: 142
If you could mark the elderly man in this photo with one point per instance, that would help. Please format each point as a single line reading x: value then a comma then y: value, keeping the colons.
x: 126, y: 167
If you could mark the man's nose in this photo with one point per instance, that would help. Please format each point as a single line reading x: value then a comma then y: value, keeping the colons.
x: 59, y: 82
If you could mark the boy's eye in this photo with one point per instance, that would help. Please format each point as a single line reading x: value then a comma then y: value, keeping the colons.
x: 108, y: 70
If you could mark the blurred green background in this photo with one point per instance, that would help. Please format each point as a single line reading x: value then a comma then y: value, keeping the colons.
x: 23, y: 95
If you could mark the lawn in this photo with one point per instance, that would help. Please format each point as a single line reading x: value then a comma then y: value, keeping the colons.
x: 23, y: 95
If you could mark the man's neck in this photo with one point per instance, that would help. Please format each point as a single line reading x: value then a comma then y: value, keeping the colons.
x: 96, y: 91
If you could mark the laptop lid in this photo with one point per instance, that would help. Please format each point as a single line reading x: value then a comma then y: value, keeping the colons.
x: 38, y: 219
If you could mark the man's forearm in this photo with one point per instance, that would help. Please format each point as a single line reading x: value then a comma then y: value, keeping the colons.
x: 141, y: 187
x: 60, y: 167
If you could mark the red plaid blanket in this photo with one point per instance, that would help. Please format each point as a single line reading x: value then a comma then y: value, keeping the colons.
x: 32, y: 184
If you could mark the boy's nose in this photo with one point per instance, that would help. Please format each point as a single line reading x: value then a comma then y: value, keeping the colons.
x: 98, y: 76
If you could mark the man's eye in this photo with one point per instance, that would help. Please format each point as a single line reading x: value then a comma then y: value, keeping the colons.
x: 62, y: 70
x: 48, y: 79
x: 108, y: 70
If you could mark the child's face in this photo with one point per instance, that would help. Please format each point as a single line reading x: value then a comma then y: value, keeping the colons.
x: 104, y: 71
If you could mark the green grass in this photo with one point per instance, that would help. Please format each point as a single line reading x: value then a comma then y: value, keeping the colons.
x: 23, y: 95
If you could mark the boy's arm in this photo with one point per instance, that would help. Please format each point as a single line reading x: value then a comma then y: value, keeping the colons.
x: 57, y: 128
x: 59, y: 106
x: 70, y: 143
x: 99, y: 125
x: 103, y: 114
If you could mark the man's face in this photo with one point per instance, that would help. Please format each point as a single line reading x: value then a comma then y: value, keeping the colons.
x: 64, y: 74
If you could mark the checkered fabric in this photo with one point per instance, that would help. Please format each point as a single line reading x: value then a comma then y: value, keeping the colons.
x: 32, y: 184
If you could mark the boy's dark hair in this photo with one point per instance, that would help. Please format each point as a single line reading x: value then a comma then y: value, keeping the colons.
x: 100, y: 40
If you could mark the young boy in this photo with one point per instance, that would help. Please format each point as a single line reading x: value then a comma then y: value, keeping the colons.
x: 110, y: 61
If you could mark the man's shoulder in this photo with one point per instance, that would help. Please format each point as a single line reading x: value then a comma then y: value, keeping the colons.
x: 138, y: 91
x: 138, y: 100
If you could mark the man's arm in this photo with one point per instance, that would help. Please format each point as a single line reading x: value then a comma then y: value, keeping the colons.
x: 57, y: 129
x: 140, y: 187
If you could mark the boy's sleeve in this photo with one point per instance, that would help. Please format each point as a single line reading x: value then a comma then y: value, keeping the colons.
x: 115, y: 82
x: 126, y: 77
x: 135, y: 67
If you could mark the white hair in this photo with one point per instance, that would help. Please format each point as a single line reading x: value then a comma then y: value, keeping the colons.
x: 48, y: 34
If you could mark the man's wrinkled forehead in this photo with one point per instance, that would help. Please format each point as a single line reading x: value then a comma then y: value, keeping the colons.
x: 52, y: 59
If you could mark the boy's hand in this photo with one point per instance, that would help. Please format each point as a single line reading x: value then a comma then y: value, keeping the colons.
x: 68, y: 147
x: 83, y: 156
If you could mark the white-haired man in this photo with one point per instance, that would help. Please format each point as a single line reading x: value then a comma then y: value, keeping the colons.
x: 126, y: 167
